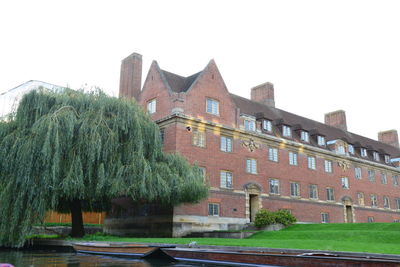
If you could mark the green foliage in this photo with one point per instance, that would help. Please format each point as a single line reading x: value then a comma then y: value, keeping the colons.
x: 67, y: 146
x: 284, y: 217
x: 265, y: 217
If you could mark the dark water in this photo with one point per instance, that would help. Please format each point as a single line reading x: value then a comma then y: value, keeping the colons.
x: 49, y: 257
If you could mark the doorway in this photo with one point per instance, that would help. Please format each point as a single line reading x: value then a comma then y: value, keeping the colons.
x: 349, y: 214
x: 254, y: 206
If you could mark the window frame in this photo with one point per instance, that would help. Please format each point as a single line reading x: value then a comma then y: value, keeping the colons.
x: 345, y: 182
x: 311, y: 162
x: 376, y: 156
x: 210, y: 108
x: 225, y: 173
x: 397, y: 203
x: 152, y: 106
x: 360, y: 199
x: 328, y: 166
x: 351, y: 149
x: 226, y: 148
x: 272, y: 186
x: 249, y: 168
x: 386, y: 202
x: 199, y: 138
x: 371, y: 175
x: 383, y: 177
x: 213, y: 205
x: 247, y: 126
x: 293, y: 158
x: 267, y: 125
x: 305, y: 136
x: 357, y: 175
x: 341, y: 150
x: 321, y: 141
x: 363, y: 152
x: 286, y: 131
x: 313, y: 188
x: 295, y: 191
x: 374, y: 200
x: 324, y: 217
x: 395, y: 180
x: 330, y: 192
x: 273, y: 154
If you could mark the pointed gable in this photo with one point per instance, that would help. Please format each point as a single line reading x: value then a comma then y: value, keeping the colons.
x: 157, y: 87
x: 209, y: 84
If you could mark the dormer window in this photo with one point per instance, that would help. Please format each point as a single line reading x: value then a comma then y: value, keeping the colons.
x: 151, y: 106
x: 376, y: 156
x: 305, y: 136
x: 321, y: 140
x: 340, y: 149
x: 212, y: 106
x: 249, y: 125
x: 267, y: 125
x: 363, y: 152
x: 286, y: 131
x: 351, y: 149
x: 387, y: 159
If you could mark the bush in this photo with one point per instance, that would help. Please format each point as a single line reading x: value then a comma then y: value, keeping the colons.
x: 265, y: 217
x: 284, y: 217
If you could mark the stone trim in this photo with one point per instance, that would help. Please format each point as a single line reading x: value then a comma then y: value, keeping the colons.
x: 269, y: 140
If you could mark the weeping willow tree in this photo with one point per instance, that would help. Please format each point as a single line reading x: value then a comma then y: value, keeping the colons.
x: 68, y: 150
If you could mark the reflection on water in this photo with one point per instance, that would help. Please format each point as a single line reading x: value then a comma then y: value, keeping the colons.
x: 48, y: 257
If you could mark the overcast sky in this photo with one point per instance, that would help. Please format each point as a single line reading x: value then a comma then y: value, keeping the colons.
x: 321, y: 55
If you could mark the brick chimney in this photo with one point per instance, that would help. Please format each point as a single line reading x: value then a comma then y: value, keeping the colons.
x: 264, y: 94
x: 389, y: 137
x: 336, y: 119
x: 131, y: 76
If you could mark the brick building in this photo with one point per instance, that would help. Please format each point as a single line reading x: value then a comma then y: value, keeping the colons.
x: 257, y: 156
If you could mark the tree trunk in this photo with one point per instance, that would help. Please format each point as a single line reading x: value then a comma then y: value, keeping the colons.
x: 77, y: 220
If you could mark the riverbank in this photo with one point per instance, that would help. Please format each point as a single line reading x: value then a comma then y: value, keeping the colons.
x: 358, y: 237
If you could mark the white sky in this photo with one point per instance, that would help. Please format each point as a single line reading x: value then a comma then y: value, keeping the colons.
x: 320, y: 55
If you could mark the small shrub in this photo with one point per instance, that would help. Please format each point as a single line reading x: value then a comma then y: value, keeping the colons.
x: 265, y: 217
x: 284, y: 217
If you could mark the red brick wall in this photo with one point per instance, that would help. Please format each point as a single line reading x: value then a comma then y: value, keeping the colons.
x: 210, y: 85
x: 154, y: 88
x: 179, y: 139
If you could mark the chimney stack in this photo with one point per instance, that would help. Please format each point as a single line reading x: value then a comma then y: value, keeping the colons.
x: 264, y: 94
x: 389, y: 137
x: 336, y: 119
x: 131, y: 76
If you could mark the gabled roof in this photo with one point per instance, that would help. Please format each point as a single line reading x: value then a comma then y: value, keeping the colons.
x: 178, y: 83
x: 253, y: 108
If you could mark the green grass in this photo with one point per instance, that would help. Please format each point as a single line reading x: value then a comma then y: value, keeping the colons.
x: 371, y: 237
x: 41, y: 236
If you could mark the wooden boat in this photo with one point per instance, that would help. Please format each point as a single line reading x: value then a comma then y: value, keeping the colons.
x: 114, y: 249
x: 261, y: 258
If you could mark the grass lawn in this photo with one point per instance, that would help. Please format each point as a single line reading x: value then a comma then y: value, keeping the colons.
x: 357, y: 237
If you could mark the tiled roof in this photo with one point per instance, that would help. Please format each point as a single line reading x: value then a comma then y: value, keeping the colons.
x: 259, y: 110
x: 178, y: 83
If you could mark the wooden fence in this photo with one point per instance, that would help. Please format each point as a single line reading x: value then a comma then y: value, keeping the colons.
x: 88, y: 217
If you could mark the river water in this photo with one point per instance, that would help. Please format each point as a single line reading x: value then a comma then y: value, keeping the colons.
x: 49, y: 257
